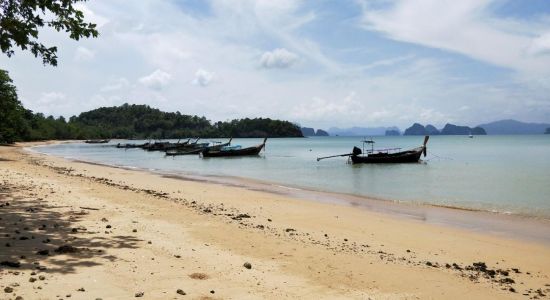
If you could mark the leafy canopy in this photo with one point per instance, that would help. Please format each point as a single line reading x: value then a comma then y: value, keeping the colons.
x: 20, y: 21
x: 12, y: 123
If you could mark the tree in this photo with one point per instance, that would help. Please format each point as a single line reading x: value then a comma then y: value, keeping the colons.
x: 13, y: 126
x: 20, y: 21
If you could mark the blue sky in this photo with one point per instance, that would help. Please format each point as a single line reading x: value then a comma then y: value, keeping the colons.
x: 318, y: 63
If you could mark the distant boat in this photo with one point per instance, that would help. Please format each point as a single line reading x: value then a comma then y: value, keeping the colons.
x: 234, y: 151
x: 471, y: 136
x: 96, y: 141
x: 374, y: 156
x: 199, y: 149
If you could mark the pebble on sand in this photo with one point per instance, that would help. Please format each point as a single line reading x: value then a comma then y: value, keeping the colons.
x: 8, y: 289
x: 139, y: 294
x: 181, y: 292
x: 247, y: 265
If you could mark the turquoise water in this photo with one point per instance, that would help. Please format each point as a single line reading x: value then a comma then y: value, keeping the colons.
x: 509, y: 174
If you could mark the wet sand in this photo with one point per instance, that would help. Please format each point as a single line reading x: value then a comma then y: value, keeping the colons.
x: 91, y: 231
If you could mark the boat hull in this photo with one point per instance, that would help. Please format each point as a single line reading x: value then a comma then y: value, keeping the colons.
x: 250, y: 151
x: 410, y: 156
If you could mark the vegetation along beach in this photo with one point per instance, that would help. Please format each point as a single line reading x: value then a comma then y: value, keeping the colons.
x: 274, y: 149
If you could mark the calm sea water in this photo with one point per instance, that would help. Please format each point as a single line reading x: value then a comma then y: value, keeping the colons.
x: 509, y: 174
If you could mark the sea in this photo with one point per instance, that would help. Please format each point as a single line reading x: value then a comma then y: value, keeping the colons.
x: 508, y: 174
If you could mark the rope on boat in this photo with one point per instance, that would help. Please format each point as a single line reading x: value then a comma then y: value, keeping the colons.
x: 438, y: 157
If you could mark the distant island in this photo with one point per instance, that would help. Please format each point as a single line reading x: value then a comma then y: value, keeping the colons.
x: 139, y: 122
x: 307, y: 131
x: 449, y: 129
x: 361, y: 131
x: 497, y: 127
x: 392, y: 132
x: 514, y: 127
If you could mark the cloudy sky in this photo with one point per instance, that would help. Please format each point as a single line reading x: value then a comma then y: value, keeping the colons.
x: 318, y: 63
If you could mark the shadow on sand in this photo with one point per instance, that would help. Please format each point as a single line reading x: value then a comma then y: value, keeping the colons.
x: 37, y: 235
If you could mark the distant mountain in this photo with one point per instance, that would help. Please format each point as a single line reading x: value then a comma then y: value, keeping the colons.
x: 360, y: 131
x: 514, y: 127
x: 416, y: 129
x: 392, y: 132
x: 449, y: 129
x: 431, y: 130
x: 307, y: 131
x: 321, y: 132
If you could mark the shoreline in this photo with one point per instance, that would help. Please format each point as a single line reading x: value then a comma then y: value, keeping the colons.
x: 93, y: 231
x: 504, y: 224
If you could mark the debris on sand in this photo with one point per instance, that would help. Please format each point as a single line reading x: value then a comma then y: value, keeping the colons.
x: 67, y: 249
x: 11, y: 264
x: 43, y: 252
x: 199, y: 276
x: 181, y: 292
x: 247, y: 265
x: 139, y: 294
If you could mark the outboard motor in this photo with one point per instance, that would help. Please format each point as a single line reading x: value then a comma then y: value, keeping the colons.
x: 356, y: 151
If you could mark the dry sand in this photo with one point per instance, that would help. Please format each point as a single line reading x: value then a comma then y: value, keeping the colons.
x: 71, y: 229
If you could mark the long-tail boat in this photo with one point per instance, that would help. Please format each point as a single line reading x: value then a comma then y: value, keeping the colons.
x: 198, y: 149
x: 131, y: 146
x: 97, y: 141
x: 163, y: 146
x: 234, y: 151
x: 391, y: 155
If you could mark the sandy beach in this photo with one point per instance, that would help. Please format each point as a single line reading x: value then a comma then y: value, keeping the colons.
x: 85, y: 231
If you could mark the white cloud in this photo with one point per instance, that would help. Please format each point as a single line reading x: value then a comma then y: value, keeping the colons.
x: 115, y: 85
x: 540, y: 45
x: 466, y: 27
x: 83, y: 54
x: 396, y: 87
x: 51, y: 98
x: 202, y: 77
x: 156, y: 80
x: 278, y: 58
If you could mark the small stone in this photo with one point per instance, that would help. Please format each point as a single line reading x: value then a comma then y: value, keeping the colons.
x: 42, y: 277
x: 108, y: 226
x: 8, y: 289
x: 74, y: 230
x: 43, y: 252
x: 81, y: 289
x: 32, y: 279
x: 181, y: 292
x: 139, y: 294
x: 12, y: 264
x: 513, y: 290
x: 135, y: 230
x: 18, y: 298
x: 247, y: 265
x: 212, y: 292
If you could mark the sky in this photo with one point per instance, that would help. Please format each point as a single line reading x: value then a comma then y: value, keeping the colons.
x: 318, y: 63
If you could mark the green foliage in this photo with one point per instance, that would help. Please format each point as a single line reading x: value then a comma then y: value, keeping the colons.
x: 142, y: 121
x: 125, y: 121
x: 12, y: 114
x: 20, y: 21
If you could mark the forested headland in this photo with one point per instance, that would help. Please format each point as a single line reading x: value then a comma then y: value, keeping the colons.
x: 126, y: 121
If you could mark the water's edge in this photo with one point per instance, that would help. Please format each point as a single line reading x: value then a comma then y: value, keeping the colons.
x: 504, y: 224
